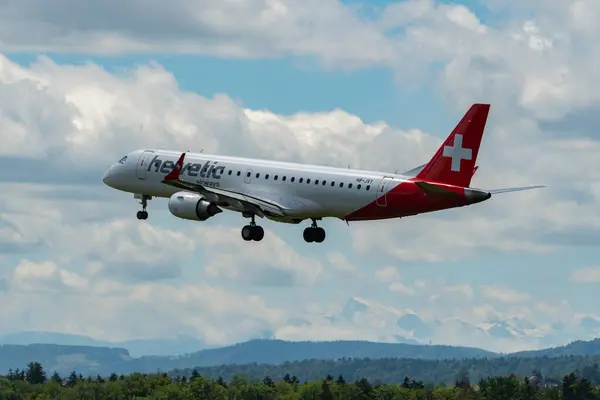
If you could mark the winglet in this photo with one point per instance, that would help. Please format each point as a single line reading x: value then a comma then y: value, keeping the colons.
x: 174, y: 174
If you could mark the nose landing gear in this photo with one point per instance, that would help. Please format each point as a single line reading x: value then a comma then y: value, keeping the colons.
x: 143, y: 214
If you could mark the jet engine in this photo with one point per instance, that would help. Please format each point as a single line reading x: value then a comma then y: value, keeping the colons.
x: 192, y: 206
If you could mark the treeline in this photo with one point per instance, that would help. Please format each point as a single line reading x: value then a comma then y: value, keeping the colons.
x: 393, y: 370
x: 33, y: 383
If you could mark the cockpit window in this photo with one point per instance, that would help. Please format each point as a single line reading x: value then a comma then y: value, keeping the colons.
x: 123, y: 160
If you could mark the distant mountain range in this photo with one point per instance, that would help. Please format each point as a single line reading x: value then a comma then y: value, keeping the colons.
x: 104, y: 360
x: 496, y: 334
x: 405, y: 333
x: 89, y: 360
x: 371, y: 321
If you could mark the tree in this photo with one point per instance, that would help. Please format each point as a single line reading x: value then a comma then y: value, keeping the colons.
x: 365, y: 386
x: 326, y: 391
x: 221, y: 381
x: 56, y: 378
x: 195, y: 374
x: 406, y: 383
x: 267, y: 381
x: 462, y: 378
x: 72, y: 379
x: 340, y: 380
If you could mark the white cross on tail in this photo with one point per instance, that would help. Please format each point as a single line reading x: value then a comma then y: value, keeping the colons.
x: 457, y: 153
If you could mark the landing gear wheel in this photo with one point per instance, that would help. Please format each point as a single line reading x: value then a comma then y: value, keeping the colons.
x: 319, y: 235
x: 247, y: 233
x: 253, y: 232
x: 258, y: 234
x: 308, y: 235
x: 142, y: 215
x: 314, y: 233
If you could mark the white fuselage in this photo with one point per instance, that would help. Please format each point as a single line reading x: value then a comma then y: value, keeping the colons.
x: 304, y: 191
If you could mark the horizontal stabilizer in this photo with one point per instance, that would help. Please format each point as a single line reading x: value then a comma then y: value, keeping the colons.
x: 435, y: 190
x: 514, y: 189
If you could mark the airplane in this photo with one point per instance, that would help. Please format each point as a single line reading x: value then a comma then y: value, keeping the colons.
x: 200, y: 186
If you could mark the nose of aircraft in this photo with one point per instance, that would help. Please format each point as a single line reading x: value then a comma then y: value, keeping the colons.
x: 107, y: 177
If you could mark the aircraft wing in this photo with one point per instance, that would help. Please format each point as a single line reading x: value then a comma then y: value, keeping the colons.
x: 224, y: 197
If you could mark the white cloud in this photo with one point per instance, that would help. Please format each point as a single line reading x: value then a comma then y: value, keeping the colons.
x: 46, y: 275
x: 504, y: 294
x: 391, y: 277
x: 253, y: 28
x: 387, y: 274
x: 586, y: 275
x: 271, y: 263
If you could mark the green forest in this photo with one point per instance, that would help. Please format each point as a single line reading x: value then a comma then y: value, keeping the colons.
x: 34, y: 383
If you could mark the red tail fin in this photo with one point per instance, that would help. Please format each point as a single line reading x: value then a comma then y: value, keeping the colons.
x: 174, y: 174
x: 454, y: 162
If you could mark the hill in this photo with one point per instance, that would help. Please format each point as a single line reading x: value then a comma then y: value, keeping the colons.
x: 94, y: 360
x: 577, y: 348
x: 180, y: 344
x: 59, y: 358
x: 90, y: 360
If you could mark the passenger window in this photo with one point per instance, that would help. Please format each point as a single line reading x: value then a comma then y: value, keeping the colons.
x: 368, y: 187
x: 332, y: 183
x: 267, y: 176
x: 324, y: 183
x: 248, y: 174
x: 283, y: 178
x: 300, y: 180
x: 349, y: 186
x: 238, y: 174
x: 257, y: 175
x: 229, y: 173
x: 341, y: 184
x: 358, y: 187
x: 293, y: 179
x: 308, y: 180
x: 317, y: 182
x: 275, y: 177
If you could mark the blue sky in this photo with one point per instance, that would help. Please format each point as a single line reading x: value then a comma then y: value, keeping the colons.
x: 502, y: 244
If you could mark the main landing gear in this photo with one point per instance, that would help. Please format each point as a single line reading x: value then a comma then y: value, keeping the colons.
x: 253, y: 231
x: 314, y: 233
x: 143, y: 214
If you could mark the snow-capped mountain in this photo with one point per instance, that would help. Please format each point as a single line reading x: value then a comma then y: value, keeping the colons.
x: 375, y: 321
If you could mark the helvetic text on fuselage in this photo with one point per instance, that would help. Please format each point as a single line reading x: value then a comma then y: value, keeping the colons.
x: 208, y: 170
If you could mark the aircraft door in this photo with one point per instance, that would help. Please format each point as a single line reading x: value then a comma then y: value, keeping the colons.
x: 142, y: 165
x: 382, y: 190
x: 248, y: 175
